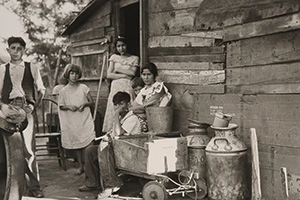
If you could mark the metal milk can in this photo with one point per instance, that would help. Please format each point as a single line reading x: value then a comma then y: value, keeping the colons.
x: 226, y: 165
x: 197, y: 140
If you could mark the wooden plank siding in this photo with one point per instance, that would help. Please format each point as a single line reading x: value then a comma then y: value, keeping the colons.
x: 157, y: 6
x: 89, y: 41
x: 180, y: 41
x: 174, y: 22
x: 267, y: 64
x: 263, y: 27
x: 238, y: 56
x: 276, y: 48
x: 217, y: 14
x: 193, y: 77
x: 199, y: 66
x: 275, y: 78
x: 189, y: 61
x: 265, y: 71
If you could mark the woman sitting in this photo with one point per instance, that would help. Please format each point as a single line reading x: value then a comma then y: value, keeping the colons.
x: 154, y: 93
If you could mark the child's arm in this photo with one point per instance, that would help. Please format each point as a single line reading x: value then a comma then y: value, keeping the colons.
x: 68, y: 107
x: 89, y: 103
x: 137, y: 108
x: 111, y: 74
x: 118, y: 130
x: 130, y: 72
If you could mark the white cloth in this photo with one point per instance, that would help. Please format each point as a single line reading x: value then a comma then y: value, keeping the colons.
x: 156, y: 87
x: 131, y: 124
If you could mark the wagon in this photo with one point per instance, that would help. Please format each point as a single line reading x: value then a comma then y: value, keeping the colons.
x: 161, y: 160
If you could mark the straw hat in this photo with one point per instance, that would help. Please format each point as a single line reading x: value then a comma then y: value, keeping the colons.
x: 12, y: 118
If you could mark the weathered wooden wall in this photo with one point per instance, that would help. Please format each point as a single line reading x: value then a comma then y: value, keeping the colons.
x: 90, y: 41
x: 238, y: 56
x: 261, y: 86
x: 189, y: 61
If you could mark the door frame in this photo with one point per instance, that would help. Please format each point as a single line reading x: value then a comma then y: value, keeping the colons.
x: 143, y: 24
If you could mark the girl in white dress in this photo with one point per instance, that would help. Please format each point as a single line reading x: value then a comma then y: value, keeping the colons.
x: 77, y: 126
x: 122, y: 68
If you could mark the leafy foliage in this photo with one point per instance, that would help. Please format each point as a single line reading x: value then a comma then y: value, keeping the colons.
x: 44, y: 22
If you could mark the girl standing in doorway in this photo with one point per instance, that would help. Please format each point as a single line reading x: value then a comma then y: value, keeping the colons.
x: 122, y: 68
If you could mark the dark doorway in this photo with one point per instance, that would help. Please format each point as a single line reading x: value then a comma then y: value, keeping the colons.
x: 130, y: 27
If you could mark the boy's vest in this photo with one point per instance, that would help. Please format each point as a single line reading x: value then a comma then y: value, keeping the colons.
x: 27, y: 85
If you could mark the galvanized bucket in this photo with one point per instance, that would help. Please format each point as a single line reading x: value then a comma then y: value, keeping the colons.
x: 159, y: 119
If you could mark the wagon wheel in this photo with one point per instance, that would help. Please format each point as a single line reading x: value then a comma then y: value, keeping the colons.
x: 154, y: 190
x: 14, y: 181
x: 201, y: 190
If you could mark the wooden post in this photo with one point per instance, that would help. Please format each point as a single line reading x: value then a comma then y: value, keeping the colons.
x: 284, y: 182
x: 256, y: 188
x: 104, y: 64
x: 57, y: 67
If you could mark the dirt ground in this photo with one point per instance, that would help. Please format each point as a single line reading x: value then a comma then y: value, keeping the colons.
x: 63, y: 185
x: 58, y: 184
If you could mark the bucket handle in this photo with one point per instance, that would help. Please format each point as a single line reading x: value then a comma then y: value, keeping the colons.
x: 215, y: 147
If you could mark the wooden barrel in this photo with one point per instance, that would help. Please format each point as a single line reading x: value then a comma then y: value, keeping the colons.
x: 12, y: 176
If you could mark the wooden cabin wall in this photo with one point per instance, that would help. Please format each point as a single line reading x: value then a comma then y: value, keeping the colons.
x: 261, y: 86
x: 89, y: 43
x: 188, y: 61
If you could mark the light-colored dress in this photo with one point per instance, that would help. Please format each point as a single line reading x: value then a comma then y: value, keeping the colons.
x: 77, y: 128
x: 147, y: 92
x: 117, y: 85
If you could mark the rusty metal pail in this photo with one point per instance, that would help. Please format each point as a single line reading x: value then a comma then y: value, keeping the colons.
x: 221, y: 120
x: 159, y: 119
x: 226, y: 165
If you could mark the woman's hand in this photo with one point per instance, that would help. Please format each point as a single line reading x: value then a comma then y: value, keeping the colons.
x: 151, y: 102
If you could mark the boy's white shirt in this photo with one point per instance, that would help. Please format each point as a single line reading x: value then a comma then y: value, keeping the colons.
x: 128, y: 123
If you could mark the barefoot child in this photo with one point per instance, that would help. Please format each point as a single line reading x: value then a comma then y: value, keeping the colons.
x: 77, y: 126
